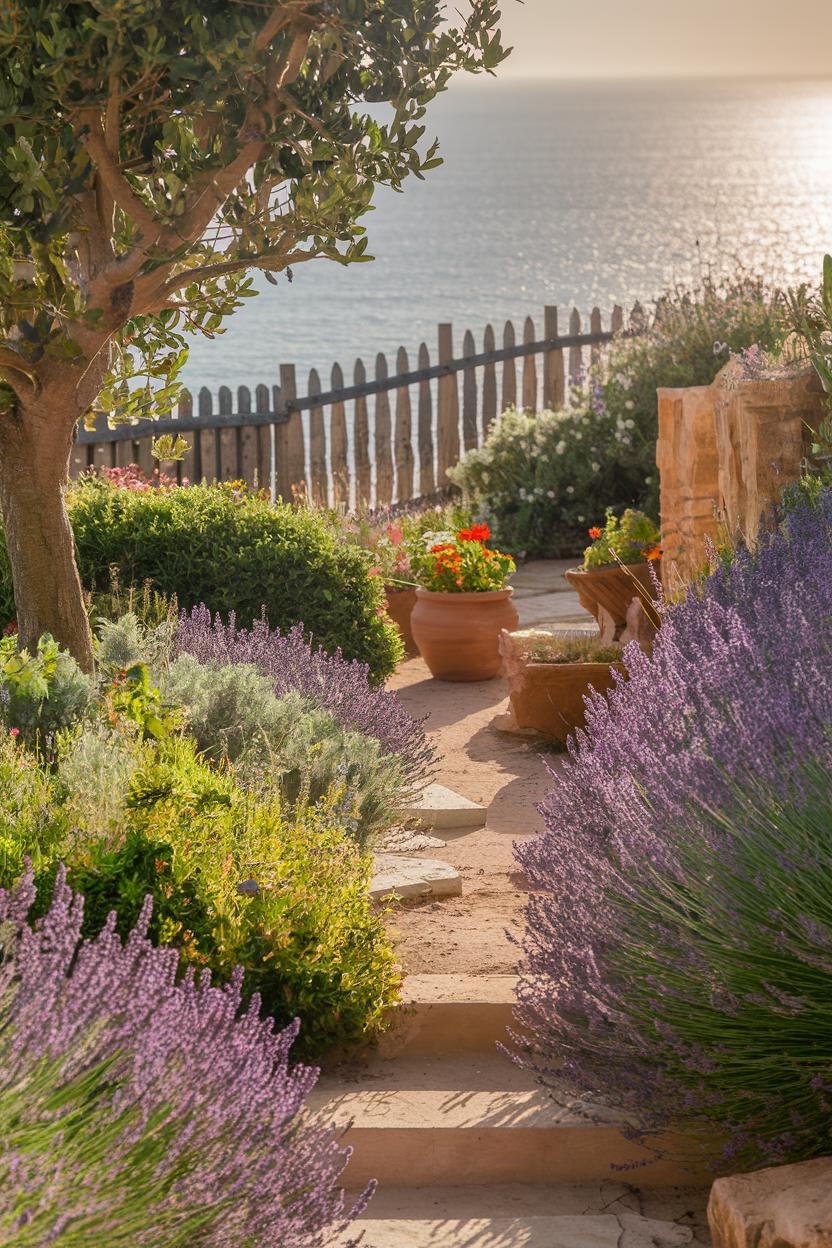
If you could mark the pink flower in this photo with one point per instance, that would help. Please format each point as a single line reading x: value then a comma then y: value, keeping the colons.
x: 14, y: 732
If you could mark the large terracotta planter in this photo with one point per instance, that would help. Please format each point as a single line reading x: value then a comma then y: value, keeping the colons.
x: 458, y: 634
x: 549, y: 697
x: 399, y: 604
x: 607, y: 593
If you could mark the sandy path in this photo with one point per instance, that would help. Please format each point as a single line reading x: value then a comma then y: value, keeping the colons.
x: 507, y: 774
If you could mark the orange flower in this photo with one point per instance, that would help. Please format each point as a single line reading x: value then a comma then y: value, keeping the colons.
x: 595, y: 533
x: 435, y: 550
x: 655, y: 552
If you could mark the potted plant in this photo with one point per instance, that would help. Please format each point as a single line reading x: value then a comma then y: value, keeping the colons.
x: 551, y: 675
x: 462, y: 604
x: 616, y: 569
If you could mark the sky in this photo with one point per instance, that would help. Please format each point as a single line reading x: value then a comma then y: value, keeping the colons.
x: 667, y: 38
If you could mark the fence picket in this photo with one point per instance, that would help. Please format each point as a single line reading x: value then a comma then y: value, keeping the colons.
x: 554, y: 384
x: 617, y: 319
x: 529, y: 369
x: 319, y: 484
x: 509, y: 387
x: 361, y: 441
x: 229, y: 467
x: 469, y: 396
x: 339, y: 446
x: 489, y: 383
x: 292, y: 435
x: 427, y: 474
x: 188, y: 468
x: 596, y: 326
x: 638, y: 320
x: 447, y: 410
x: 576, y: 355
x: 124, y: 454
x: 403, y: 435
x: 208, y: 439
x: 247, y: 443
x: 383, y: 450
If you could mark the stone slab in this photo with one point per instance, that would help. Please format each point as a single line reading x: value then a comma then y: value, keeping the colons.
x: 441, y: 809
x: 408, y: 841
x: 395, y: 875
x: 575, y: 1231
x: 779, y: 1207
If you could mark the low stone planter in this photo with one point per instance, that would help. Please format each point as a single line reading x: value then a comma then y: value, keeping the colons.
x: 399, y: 604
x: 607, y: 593
x: 549, y: 698
x: 458, y: 635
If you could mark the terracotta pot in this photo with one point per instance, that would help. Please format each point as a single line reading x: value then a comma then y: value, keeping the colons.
x: 549, y: 697
x: 399, y: 604
x: 458, y: 634
x: 607, y: 593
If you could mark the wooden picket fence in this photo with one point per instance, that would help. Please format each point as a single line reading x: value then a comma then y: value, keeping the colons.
x: 400, y: 452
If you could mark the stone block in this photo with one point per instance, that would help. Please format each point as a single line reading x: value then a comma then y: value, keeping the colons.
x: 442, y: 809
x: 780, y: 1207
x: 408, y: 878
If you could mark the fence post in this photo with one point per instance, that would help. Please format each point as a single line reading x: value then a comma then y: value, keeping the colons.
x: 554, y: 386
x: 448, y: 413
x: 339, y: 446
x: 576, y: 355
x: 361, y: 441
x: 489, y: 384
x: 384, y: 454
x: 247, y: 442
x: 509, y: 388
x: 317, y: 447
x: 529, y: 369
x: 596, y: 326
x: 292, y: 475
x: 617, y: 320
x: 427, y: 474
x: 469, y: 396
x: 207, y: 439
x: 228, y: 470
x: 403, y: 435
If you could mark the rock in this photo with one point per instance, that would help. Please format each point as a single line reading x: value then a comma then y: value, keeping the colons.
x: 689, y: 470
x: 408, y: 841
x: 780, y: 1207
x: 441, y: 808
x: 397, y: 876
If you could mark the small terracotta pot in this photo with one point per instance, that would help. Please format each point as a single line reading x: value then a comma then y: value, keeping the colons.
x: 399, y: 604
x: 549, y: 697
x: 458, y: 634
x: 611, y: 590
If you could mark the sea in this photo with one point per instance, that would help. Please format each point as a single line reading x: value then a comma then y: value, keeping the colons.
x: 574, y: 194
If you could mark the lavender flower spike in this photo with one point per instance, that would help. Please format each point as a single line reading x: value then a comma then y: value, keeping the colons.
x: 141, y: 1107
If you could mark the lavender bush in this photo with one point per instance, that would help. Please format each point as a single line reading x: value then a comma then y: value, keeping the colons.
x: 291, y: 663
x: 138, y: 1108
x: 739, y: 689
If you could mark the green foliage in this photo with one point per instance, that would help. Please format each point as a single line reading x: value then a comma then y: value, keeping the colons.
x: 206, y: 544
x: 540, y: 479
x: 125, y: 641
x: 460, y: 562
x: 288, y: 743
x: 236, y: 877
x: 128, y: 129
x: 632, y: 539
x: 42, y: 693
x: 131, y: 698
x: 563, y: 648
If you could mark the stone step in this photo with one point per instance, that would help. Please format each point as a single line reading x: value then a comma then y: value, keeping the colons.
x: 442, y: 809
x: 398, y: 876
x: 478, y: 1119
x: 609, y: 1215
x: 450, y: 1014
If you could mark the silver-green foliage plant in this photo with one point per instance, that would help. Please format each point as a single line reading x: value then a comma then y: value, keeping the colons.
x: 127, y: 640
x: 40, y: 693
x: 288, y: 742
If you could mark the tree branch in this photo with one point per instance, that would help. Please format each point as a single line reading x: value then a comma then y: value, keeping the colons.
x: 113, y: 180
x: 16, y: 371
x: 273, y: 262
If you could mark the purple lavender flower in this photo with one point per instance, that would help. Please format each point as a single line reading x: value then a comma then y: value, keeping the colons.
x: 735, y: 700
x: 139, y: 1106
x: 291, y: 663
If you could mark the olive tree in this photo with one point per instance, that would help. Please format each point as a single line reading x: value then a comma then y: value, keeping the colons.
x: 152, y: 154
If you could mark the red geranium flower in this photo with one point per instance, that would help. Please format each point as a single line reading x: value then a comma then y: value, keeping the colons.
x: 476, y: 533
x: 595, y: 533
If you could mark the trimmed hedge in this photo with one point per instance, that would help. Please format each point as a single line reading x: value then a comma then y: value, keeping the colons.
x: 234, y: 552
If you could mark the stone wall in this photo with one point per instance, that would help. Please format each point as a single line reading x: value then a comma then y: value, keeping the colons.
x: 724, y: 453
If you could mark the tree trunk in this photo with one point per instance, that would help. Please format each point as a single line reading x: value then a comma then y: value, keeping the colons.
x: 34, y: 469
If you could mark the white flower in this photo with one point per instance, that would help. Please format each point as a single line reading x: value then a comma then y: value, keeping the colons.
x: 624, y: 383
x: 595, y: 466
x: 560, y: 448
x: 581, y: 519
x: 550, y: 493
x: 629, y: 405
x: 629, y: 424
x: 577, y: 435
x: 570, y: 489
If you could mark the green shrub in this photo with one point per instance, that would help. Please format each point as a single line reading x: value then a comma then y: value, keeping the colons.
x: 632, y: 539
x: 40, y: 693
x: 539, y: 480
x: 236, y: 878
x: 232, y: 552
x: 232, y: 713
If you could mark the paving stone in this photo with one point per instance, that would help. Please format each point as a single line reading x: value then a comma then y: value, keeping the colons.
x: 441, y: 808
x: 396, y: 875
x: 408, y: 841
